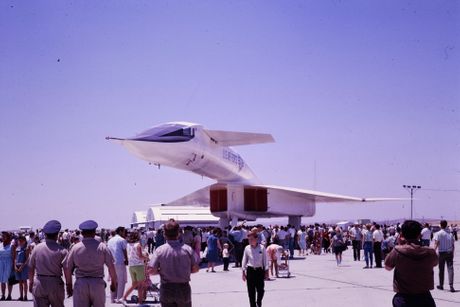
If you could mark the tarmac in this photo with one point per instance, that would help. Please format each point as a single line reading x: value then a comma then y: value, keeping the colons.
x: 315, y: 280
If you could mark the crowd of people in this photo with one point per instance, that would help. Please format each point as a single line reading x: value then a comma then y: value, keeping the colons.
x: 37, y: 260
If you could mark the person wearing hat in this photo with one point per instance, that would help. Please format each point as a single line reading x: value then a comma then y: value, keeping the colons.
x: 87, y: 259
x: 45, y: 268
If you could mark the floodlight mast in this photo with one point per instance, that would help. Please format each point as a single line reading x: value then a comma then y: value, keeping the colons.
x: 411, y: 188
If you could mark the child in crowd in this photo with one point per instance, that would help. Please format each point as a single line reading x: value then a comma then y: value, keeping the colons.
x: 226, y: 256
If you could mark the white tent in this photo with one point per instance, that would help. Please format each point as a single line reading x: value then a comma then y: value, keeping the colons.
x: 193, y: 216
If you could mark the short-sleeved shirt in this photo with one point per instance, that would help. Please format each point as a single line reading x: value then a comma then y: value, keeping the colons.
x: 445, y: 240
x: 237, y: 235
x: 174, y: 261
x: 426, y: 234
x: 356, y: 234
x: 282, y: 234
x: 412, y: 262
x: 88, y: 258
x: 377, y: 235
x: 117, y: 245
x: 47, y: 258
x: 255, y: 257
x: 150, y: 234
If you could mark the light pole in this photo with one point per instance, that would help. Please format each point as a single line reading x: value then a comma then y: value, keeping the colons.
x: 411, y: 188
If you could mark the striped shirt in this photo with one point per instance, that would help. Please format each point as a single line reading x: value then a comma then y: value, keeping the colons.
x: 444, y: 241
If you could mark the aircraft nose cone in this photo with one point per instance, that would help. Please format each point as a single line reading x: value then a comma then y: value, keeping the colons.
x: 111, y: 138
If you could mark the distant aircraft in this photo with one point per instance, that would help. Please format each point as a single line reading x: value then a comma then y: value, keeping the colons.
x: 238, y: 194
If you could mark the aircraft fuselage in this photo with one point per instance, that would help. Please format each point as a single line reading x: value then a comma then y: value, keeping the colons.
x: 200, y: 154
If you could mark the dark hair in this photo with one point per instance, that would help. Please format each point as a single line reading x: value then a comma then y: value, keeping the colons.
x: 443, y: 224
x: 6, y: 234
x: 22, y: 238
x: 411, y: 229
x: 133, y: 237
x: 171, y: 229
x: 51, y: 236
x: 120, y: 230
x: 88, y: 233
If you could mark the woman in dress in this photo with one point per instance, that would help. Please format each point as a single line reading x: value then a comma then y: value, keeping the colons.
x: 6, y: 264
x: 21, y: 270
x: 213, y: 250
x: 197, y: 245
x: 317, y: 240
x: 302, y: 241
x: 326, y: 241
x: 338, y: 245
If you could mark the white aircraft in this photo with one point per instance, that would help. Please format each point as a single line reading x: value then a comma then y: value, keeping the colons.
x: 238, y: 194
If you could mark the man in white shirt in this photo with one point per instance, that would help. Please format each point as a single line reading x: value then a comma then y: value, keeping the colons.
x: 255, y: 269
x: 117, y: 246
x: 65, y: 239
x: 426, y: 235
x: 445, y: 244
x: 377, y: 235
x: 282, y: 234
x: 150, y: 240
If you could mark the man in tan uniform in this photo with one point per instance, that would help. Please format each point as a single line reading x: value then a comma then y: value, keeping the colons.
x: 47, y: 286
x: 87, y: 258
x: 174, y: 261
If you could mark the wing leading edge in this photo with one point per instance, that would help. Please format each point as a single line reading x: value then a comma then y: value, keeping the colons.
x: 231, y: 138
x: 322, y: 197
x: 201, y: 198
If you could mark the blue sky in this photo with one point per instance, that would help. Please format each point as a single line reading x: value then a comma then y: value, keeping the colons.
x: 367, y: 92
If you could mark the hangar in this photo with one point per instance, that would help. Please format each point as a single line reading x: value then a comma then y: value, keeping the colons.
x: 185, y: 215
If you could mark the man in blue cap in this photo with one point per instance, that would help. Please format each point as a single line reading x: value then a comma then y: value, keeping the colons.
x: 46, y: 260
x: 87, y: 258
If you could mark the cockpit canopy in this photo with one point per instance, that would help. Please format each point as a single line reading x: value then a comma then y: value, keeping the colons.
x: 167, y: 133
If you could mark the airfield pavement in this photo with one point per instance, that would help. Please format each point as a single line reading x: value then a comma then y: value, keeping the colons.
x: 315, y: 281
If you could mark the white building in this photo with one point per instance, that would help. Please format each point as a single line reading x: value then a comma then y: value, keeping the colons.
x: 193, y: 216
x: 139, y: 219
